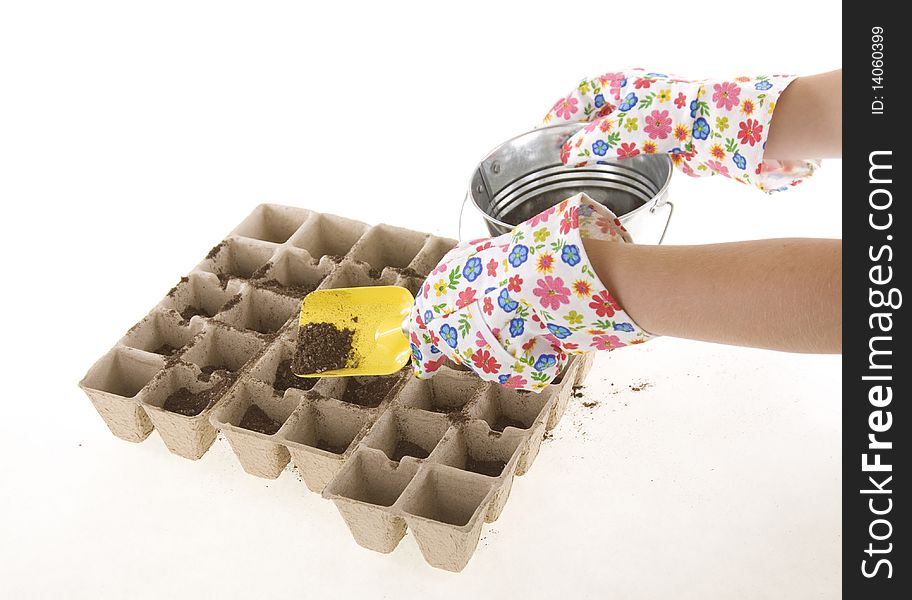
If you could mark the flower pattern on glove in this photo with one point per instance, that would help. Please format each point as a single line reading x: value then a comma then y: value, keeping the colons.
x: 710, y: 127
x: 514, y: 308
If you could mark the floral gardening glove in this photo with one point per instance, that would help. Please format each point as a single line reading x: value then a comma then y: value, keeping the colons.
x: 708, y: 126
x: 513, y: 308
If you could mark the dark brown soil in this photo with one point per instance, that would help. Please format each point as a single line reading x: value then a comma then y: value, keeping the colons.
x: 457, y: 417
x: 639, y: 387
x: 368, y: 391
x: 231, y: 303
x: 295, y: 291
x: 592, y: 404
x: 491, y: 468
x: 503, y: 422
x: 576, y: 391
x: 323, y: 347
x: 192, y: 311
x: 408, y: 272
x: 255, y: 419
x: 215, y: 250
x: 166, y: 350
x: 284, y: 379
x: 444, y: 409
x: 405, y: 448
x: 374, y: 273
x: 334, y: 257
x: 223, y: 280
x: 324, y: 445
x: 173, y: 290
x: 184, y: 402
x: 261, y: 272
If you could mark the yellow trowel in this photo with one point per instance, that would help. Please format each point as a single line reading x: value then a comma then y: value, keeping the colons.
x: 377, y: 318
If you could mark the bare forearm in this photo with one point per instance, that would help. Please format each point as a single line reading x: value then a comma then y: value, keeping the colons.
x: 779, y: 294
x: 807, y: 120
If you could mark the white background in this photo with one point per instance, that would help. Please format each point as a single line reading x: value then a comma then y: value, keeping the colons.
x: 133, y: 136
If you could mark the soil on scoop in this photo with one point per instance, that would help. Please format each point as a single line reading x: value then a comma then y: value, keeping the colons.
x: 323, y: 347
x: 405, y: 448
x: 285, y: 378
x: 193, y: 311
x: 504, y: 421
x: 368, y: 392
x: 491, y: 468
x: 326, y: 446
x: 255, y: 419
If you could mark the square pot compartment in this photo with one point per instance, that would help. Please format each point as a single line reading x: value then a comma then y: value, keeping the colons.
x: 162, y: 332
x: 274, y: 368
x: 407, y: 434
x: 387, y: 246
x: 472, y: 447
x: 503, y: 409
x: 272, y: 223
x: 447, y: 392
x: 222, y: 348
x: 293, y: 273
x: 114, y: 385
x: 200, y: 295
x: 328, y: 235
x: 445, y: 509
x: 320, y: 434
x: 259, y: 310
x: 253, y: 437
x: 351, y: 274
x: 188, y: 435
x: 366, y: 391
x: 431, y: 253
x: 364, y: 491
x: 237, y: 257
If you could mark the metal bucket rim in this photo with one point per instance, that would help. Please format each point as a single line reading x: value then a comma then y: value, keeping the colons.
x: 650, y: 206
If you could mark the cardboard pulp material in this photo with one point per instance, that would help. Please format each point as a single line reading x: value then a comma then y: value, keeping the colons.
x: 438, y: 456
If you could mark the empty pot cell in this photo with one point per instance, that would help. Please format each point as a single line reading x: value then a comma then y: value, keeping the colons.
x: 502, y: 408
x: 446, y: 392
x: 328, y: 235
x: 163, y: 333
x: 293, y: 273
x: 405, y: 432
x: 237, y: 257
x: 430, y: 255
x: 113, y: 385
x: 259, y: 310
x: 274, y: 368
x: 472, y: 448
x: 272, y: 223
x: 200, y: 294
x: 445, y: 509
x: 179, y: 404
x: 251, y: 411
x: 368, y: 392
x: 222, y: 349
x: 364, y: 490
x: 386, y: 246
x: 319, y: 434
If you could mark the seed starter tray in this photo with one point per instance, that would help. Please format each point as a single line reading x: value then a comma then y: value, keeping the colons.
x: 393, y: 452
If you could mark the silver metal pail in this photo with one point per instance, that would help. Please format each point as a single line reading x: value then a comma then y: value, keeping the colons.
x: 524, y: 176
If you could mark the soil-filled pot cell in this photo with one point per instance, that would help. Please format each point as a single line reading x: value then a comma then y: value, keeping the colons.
x: 255, y: 419
x: 369, y: 392
x: 404, y: 432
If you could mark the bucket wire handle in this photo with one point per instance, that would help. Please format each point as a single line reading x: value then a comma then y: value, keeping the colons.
x: 461, y: 210
x: 671, y: 208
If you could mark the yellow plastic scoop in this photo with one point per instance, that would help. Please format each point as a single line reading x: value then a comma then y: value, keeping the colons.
x: 378, y: 318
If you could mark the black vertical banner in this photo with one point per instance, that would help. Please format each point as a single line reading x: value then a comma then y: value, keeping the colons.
x: 876, y: 368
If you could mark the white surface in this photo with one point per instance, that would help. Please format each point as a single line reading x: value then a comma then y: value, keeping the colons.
x: 132, y: 138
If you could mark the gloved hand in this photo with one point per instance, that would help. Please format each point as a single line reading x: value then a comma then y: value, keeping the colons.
x: 513, y: 308
x: 711, y: 126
